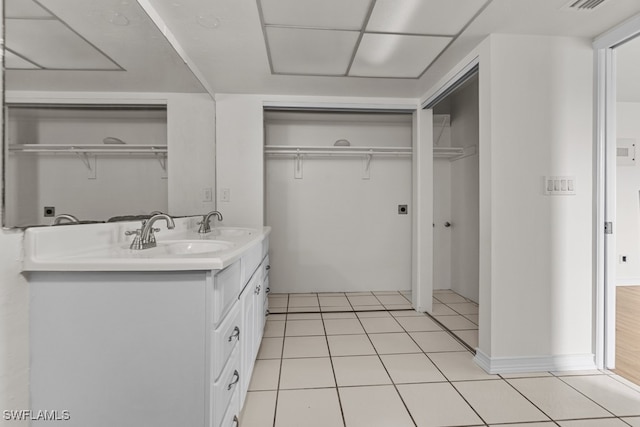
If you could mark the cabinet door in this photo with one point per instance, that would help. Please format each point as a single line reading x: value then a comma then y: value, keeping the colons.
x: 247, y: 301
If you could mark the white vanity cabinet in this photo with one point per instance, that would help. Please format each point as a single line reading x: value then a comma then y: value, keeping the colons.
x: 146, y: 348
x: 253, y: 300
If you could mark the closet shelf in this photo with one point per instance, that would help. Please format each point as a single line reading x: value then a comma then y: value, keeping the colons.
x: 88, y: 149
x: 287, y: 150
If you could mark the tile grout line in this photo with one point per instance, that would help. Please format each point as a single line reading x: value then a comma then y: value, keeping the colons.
x: 560, y: 378
x: 333, y: 370
x: 395, y: 387
x: 441, y: 372
x: 284, y: 333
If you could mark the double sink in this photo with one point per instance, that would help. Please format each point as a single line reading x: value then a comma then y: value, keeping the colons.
x: 102, y: 247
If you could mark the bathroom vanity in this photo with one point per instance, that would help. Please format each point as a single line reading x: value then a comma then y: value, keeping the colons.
x: 128, y: 338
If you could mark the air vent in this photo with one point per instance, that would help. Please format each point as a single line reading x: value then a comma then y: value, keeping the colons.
x: 583, y: 5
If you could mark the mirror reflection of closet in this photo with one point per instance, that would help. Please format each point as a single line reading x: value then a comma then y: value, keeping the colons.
x: 80, y: 135
x: 456, y: 212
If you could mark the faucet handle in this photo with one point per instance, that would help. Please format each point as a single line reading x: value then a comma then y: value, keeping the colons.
x: 132, y: 232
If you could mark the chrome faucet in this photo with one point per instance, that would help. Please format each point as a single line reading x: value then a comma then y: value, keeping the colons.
x: 205, y: 225
x: 59, y: 219
x: 145, y: 238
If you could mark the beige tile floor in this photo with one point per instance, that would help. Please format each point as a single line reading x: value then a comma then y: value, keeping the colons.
x: 390, y: 367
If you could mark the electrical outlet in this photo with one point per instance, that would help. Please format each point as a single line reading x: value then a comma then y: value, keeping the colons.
x: 207, y: 195
x: 225, y: 195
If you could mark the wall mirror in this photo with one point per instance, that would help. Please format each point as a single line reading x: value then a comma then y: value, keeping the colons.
x: 79, y: 137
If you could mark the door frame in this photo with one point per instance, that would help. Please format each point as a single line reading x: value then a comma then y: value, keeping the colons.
x: 605, y: 187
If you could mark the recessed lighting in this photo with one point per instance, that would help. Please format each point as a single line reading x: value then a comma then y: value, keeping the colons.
x: 208, y: 21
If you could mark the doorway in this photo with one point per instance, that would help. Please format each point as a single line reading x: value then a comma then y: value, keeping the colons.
x: 456, y: 211
x: 617, y: 197
x: 338, y: 198
x: 627, y: 211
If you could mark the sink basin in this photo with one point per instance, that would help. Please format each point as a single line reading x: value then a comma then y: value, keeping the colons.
x: 189, y: 247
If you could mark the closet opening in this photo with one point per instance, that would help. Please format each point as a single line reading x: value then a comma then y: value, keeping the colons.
x: 338, y: 195
x: 456, y: 208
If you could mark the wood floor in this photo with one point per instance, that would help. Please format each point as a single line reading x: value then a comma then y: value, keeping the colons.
x: 628, y: 332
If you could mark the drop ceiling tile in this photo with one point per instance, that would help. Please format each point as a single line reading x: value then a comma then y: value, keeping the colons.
x: 313, y: 52
x: 61, y: 49
x: 332, y: 14
x: 442, y: 17
x: 13, y: 62
x: 24, y: 9
x: 394, y: 55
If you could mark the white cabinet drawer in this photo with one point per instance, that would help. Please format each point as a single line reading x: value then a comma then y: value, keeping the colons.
x: 225, y: 339
x: 226, y: 288
x: 225, y: 388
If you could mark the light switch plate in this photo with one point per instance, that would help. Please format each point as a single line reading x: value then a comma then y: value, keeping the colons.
x: 560, y: 185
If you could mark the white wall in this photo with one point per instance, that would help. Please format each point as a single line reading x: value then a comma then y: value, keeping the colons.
x: 332, y: 230
x: 627, y: 228
x: 239, y: 164
x: 191, y: 130
x: 465, y: 230
x: 536, y: 268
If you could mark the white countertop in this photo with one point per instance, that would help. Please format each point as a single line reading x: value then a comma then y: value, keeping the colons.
x: 104, y: 247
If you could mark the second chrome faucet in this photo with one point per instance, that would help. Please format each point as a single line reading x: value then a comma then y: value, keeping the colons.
x: 205, y: 224
x: 145, y: 237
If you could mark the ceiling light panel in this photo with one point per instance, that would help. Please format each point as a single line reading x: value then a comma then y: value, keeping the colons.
x: 331, y: 14
x: 24, y: 9
x: 61, y: 49
x: 312, y: 52
x: 443, y: 17
x: 395, y: 55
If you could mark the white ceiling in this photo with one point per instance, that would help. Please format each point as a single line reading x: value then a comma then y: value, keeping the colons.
x: 89, y: 45
x: 387, y: 48
x: 381, y: 38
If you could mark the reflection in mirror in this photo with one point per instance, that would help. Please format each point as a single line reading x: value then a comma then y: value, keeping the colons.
x: 71, y: 147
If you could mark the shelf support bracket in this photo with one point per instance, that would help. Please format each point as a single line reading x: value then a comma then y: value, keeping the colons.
x: 89, y: 162
x: 162, y: 159
x: 366, y: 172
x: 297, y: 165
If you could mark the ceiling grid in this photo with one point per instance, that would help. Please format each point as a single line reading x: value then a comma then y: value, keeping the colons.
x: 396, y: 39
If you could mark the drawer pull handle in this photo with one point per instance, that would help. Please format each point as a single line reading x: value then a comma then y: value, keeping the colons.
x: 236, y: 423
x: 235, y: 334
x: 268, y: 289
x: 235, y: 380
x: 257, y: 291
x: 268, y: 267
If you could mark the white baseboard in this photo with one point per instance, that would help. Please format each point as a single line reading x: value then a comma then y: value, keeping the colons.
x: 628, y: 282
x: 511, y: 365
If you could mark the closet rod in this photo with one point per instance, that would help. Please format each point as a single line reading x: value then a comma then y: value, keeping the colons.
x: 60, y: 148
x: 349, y: 151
